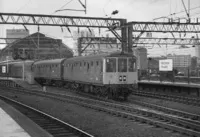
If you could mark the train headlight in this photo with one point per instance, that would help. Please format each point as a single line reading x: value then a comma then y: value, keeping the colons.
x: 120, y: 78
x: 124, y: 78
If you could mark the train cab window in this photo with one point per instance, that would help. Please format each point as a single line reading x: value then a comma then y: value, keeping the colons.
x: 92, y: 63
x: 88, y: 66
x: 101, y: 66
x: 72, y: 66
x: 122, y: 64
x: 131, y: 64
x: 97, y: 63
x: 111, y: 65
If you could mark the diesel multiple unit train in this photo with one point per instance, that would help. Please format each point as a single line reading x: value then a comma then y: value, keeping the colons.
x: 112, y: 75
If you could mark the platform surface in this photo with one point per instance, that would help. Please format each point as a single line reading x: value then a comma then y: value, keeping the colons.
x: 9, y: 128
x: 15, y: 124
x: 194, y: 85
x: 23, y: 83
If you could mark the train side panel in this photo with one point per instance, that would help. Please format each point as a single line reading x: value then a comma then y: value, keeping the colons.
x: 84, y: 71
x: 48, y: 69
x: 3, y: 69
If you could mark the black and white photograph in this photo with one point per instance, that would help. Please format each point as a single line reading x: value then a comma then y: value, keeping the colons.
x: 99, y: 68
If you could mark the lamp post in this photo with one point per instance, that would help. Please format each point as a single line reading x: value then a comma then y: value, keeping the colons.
x: 7, y: 66
x: 149, y: 69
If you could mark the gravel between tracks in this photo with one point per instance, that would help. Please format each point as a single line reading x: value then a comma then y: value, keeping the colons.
x: 170, y: 104
x: 94, y: 122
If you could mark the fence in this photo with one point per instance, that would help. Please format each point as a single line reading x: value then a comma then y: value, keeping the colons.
x: 185, y: 75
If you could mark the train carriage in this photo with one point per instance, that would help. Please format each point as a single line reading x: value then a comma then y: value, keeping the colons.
x: 4, y: 68
x: 17, y: 69
x: 48, y: 71
x: 111, y: 75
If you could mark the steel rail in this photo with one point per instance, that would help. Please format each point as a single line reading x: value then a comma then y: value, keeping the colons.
x: 180, y: 99
x: 51, y: 124
x: 160, y: 120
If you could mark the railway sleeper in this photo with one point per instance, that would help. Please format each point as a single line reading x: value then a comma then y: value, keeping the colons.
x: 170, y: 111
x: 119, y: 114
x: 56, y: 128
x: 139, y: 119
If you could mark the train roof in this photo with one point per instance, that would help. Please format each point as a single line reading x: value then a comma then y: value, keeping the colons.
x: 15, y: 61
x: 53, y: 61
x: 103, y: 55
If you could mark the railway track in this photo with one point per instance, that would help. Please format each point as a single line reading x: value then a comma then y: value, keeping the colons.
x: 168, y: 110
x: 158, y: 119
x: 180, y: 99
x: 54, y: 126
x: 163, y: 109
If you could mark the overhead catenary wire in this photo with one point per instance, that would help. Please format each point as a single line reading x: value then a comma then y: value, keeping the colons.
x: 62, y: 6
x: 105, y: 7
x: 25, y: 5
x: 175, y: 13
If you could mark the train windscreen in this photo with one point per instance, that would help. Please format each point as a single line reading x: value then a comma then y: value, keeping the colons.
x: 131, y: 65
x: 111, y: 65
x: 122, y: 64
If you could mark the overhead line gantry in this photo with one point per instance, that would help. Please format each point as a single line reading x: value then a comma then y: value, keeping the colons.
x: 127, y: 29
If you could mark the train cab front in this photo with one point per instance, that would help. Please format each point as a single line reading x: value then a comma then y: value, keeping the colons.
x: 120, y: 74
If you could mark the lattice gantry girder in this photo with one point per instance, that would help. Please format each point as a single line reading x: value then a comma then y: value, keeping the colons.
x: 49, y: 20
x: 165, y: 27
x: 167, y: 41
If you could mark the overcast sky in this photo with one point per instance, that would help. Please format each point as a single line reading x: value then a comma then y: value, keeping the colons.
x: 132, y: 10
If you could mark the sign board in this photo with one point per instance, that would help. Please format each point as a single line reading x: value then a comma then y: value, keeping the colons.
x: 3, y: 69
x: 166, y: 65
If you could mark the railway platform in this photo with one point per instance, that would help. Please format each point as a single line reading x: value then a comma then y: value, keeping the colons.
x: 18, y: 82
x: 180, y: 87
x: 15, y: 124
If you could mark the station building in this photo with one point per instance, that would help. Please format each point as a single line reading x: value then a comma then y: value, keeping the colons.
x: 14, y: 34
x: 36, y: 46
x: 180, y: 61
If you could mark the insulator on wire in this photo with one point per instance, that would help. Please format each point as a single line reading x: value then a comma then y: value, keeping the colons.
x: 38, y: 28
x: 89, y: 30
x: 99, y: 31
x: 61, y: 29
x: 25, y: 28
x: 115, y: 12
x: 68, y: 29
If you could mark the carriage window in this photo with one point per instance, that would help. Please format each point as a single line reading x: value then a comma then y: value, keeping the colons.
x: 101, y: 66
x: 88, y: 66
x: 97, y: 63
x: 111, y: 65
x: 131, y: 65
x: 122, y: 64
